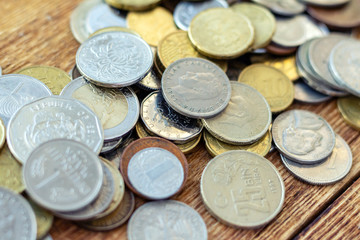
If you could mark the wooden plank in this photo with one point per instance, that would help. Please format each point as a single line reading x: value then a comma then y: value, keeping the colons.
x: 34, y: 32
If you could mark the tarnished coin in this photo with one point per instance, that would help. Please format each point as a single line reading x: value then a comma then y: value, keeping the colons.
x: 117, y: 109
x: 44, y: 220
x: 196, y: 88
x: 349, y: 108
x: 133, y: 5
x: 185, y: 11
x: 17, y: 217
x: 306, y: 94
x: 303, y: 136
x: 273, y: 84
x: 54, y: 78
x: 175, y: 219
x: 151, y: 82
x: 332, y: 170
x: 245, y: 120
x: 276, y: 49
x: 53, y: 118
x: 114, y: 29
x: 2, y: 134
x: 75, y: 73
x: 326, y: 3
x: 16, y: 90
x: 63, y: 175
x: 283, y: 7
x: 242, y: 189
x: 221, y: 33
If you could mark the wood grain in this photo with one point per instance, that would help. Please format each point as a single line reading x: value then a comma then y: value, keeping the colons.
x: 37, y: 32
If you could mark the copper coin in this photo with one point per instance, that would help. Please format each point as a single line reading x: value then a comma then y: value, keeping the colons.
x: 150, y: 142
x: 280, y: 50
x: 347, y: 16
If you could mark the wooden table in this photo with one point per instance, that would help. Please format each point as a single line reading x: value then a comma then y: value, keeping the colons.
x: 37, y: 32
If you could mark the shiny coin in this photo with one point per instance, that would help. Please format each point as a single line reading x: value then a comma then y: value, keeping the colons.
x: 114, y: 59
x: 274, y: 85
x: 185, y: 11
x: 151, y: 82
x: 306, y: 94
x: 53, y: 118
x: 303, y: 136
x: 117, y: 109
x: 16, y: 90
x: 173, y: 219
x: 110, y: 145
x: 245, y: 120
x: 114, y: 29
x: 242, y: 189
x: 63, y: 175
x: 221, y: 33
x: 44, y: 220
x: 2, y: 134
x: 133, y: 5
x: 17, y: 217
x: 326, y: 3
x: 55, y: 78
x: 283, y: 7
x: 349, y: 108
x: 196, y: 88
x: 332, y: 170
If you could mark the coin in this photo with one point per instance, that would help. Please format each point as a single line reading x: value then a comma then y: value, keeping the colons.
x: 332, y: 170
x: 242, y: 189
x: 283, y: 7
x: 326, y: 3
x: 276, y: 49
x: 114, y: 29
x: 355, y: 33
x: 306, y: 94
x: 114, y: 59
x: 133, y: 5
x: 75, y: 73
x: 117, y: 109
x: 63, y: 175
x: 196, y: 88
x: 216, y: 147
x: 44, y: 220
x: 152, y: 25
x: 10, y: 171
x: 54, y: 78
x: 151, y: 82
x: 303, y: 136
x: 245, y: 120
x: 53, y: 118
x: 185, y: 11
x: 175, y: 219
x: 349, y: 108
x: 17, y: 218
x: 262, y: 20
x: 2, y: 134
x: 273, y: 84
x: 109, y: 146
x: 16, y: 90
x: 221, y: 33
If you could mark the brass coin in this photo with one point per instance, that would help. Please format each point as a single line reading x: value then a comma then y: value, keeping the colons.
x: 177, y: 45
x: 151, y: 82
x: 44, y: 219
x: 349, y: 108
x: 152, y: 25
x: 216, y: 147
x: 2, y: 134
x: 114, y: 29
x: 273, y: 84
x: 55, y: 78
x: 221, y: 33
x: 133, y: 5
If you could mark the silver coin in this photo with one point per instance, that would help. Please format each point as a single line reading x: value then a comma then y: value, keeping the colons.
x: 163, y: 121
x: 344, y: 65
x: 332, y: 170
x: 151, y: 82
x: 305, y: 94
x: 326, y: 3
x: 98, y: 205
x: 63, y: 175
x: 16, y: 90
x: 114, y: 59
x: 118, y: 109
x: 52, y: 118
x: 185, y: 11
x: 166, y: 220
x: 17, y: 219
x: 155, y: 173
x: 196, y: 87
x: 303, y: 136
x: 283, y: 7
x: 111, y: 145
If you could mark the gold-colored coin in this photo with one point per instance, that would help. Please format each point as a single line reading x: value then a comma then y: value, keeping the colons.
x: 177, y: 45
x: 44, y: 220
x: 152, y: 25
x: 55, y: 78
x: 150, y: 82
x: 114, y: 29
x: 216, y: 147
x: 262, y: 19
x: 273, y: 84
x: 349, y: 108
x: 142, y: 131
x: 2, y: 134
x: 221, y: 33
x: 133, y: 5
x: 285, y: 64
x: 10, y: 171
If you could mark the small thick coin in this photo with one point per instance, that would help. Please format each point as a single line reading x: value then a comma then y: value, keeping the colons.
x: 16, y: 90
x: 63, y: 175
x: 2, y: 134
x: 133, y: 5
x: 332, y: 170
x: 196, y: 88
x: 283, y: 7
x: 305, y: 94
x: 221, y: 33
x: 151, y: 82
x: 245, y: 120
x: 171, y: 219
x: 17, y: 217
x: 53, y: 118
x: 349, y: 108
x: 242, y: 189
x: 44, y: 220
x: 303, y: 136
